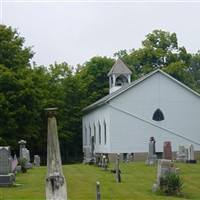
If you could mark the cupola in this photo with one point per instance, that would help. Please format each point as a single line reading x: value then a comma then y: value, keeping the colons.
x: 119, y: 75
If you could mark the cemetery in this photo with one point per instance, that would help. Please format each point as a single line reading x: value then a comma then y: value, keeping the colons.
x: 167, y: 169
x: 137, y: 180
x: 25, y: 178
x: 102, y: 180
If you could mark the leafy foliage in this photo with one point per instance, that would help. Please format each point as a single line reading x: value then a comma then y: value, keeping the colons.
x: 13, y: 54
x: 25, y: 90
x: 171, y: 185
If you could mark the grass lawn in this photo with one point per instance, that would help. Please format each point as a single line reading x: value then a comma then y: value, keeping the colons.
x: 136, y: 183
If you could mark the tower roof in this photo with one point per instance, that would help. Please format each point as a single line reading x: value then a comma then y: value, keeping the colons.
x: 119, y: 68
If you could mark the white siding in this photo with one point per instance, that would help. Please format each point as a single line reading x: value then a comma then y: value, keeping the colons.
x: 129, y: 123
x: 132, y: 111
x: 97, y: 117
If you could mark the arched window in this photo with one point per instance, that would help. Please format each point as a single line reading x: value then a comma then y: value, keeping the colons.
x: 105, y: 133
x: 90, y: 134
x: 85, y: 136
x: 94, y: 134
x: 121, y: 80
x: 158, y: 115
x: 99, y: 133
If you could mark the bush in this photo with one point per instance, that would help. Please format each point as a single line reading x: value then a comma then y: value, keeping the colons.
x: 171, y: 185
x: 22, y: 162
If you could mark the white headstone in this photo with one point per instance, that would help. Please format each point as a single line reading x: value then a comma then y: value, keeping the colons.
x: 191, y: 152
x: 164, y: 168
x: 181, y: 155
x: 36, y: 160
x: 6, y: 175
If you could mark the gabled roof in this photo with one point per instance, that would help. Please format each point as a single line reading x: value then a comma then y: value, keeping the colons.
x: 109, y: 97
x: 119, y: 68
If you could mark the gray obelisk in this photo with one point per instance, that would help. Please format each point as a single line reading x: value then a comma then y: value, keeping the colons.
x: 55, y: 182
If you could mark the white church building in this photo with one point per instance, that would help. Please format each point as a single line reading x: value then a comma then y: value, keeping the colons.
x: 156, y: 105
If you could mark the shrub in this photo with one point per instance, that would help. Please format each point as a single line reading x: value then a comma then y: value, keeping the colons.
x: 171, y: 185
x: 22, y: 162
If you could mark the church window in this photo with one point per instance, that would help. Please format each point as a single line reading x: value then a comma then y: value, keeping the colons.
x: 105, y: 133
x: 94, y: 134
x: 158, y: 115
x: 90, y: 132
x: 99, y: 133
x: 85, y: 136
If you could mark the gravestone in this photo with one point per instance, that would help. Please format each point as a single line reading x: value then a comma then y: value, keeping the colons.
x: 181, y: 155
x: 129, y: 157
x: 87, y: 155
x: 152, y: 157
x: 165, y: 167
x: 36, y: 160
x: 98, y: 191
x: 191, y: 154
x: 26, y: 156
x: 22, y: 144
x: 6, y: 175
x: 167, y: 150
x: 55, y: 181
x: 118, y: 176
x: 104, y: 162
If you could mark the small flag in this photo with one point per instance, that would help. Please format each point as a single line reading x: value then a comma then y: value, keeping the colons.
x: 14, y: 163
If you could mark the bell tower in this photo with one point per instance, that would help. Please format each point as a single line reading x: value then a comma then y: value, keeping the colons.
x: 119, y: 76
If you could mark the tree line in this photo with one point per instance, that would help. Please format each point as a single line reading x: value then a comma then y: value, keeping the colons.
x: 26, y: 90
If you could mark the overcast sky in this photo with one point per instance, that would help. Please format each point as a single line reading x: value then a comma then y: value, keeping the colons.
x: 76, y: 31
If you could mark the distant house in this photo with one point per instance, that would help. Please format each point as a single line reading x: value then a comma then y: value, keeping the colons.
x: 156, y: 105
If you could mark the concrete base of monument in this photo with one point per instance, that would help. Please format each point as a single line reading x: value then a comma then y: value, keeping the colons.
x: 56, y: 188
x: 6, y: 180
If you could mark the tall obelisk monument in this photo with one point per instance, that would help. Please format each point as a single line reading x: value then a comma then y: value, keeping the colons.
x: 55, y: 181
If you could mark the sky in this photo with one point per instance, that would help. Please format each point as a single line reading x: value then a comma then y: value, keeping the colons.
x: 76, y: 31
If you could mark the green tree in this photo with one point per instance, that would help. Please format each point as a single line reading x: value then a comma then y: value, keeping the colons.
x: 194, y: 69
x: 160, y: 49
x: 23, y: 91
x: 13, y: 54
x: 94, y: 74
x: 67, y: 92
x: 179, y: 71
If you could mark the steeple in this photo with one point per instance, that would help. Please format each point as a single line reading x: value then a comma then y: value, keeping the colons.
x: 119, y: 76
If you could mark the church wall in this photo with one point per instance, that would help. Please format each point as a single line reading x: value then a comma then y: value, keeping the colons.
x: 94, y: 119
x: 129, y: 123
x: 132, y: 111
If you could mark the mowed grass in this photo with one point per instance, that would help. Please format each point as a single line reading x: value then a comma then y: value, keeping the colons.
x: 136, y: 182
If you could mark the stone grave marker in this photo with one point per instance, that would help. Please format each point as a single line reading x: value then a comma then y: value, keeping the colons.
x: 181, y: 155
x: 55, y: 180
x: 191, y: 154
x: 118, y: 176
x: 36, y: 160
x: 6, y: 175
x: 152, y: 157
x: 104, y: 162
x: 167, y: 150
x: 98, y: 191
x: 22, y: 144
x: 26, y: 156
x: 165, y: 166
